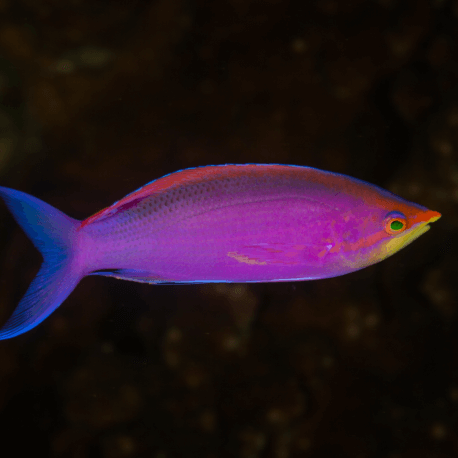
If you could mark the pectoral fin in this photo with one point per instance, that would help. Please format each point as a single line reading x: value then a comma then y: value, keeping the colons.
x: 278, y: 253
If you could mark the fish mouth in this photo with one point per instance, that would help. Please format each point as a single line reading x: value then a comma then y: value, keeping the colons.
x: 421, y: 226
x: 426, y: 217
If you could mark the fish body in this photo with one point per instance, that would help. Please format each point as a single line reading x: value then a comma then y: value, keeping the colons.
x: 230, y: 223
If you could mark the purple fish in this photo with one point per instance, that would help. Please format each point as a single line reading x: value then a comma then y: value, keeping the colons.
x: 229, y: 223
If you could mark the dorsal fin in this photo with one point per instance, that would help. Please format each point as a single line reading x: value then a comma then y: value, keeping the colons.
x: 181, y: 177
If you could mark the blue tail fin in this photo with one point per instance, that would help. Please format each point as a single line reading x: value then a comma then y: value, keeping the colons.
x: 53, y: 233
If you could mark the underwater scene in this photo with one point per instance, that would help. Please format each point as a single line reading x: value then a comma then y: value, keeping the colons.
x: 227, y: 229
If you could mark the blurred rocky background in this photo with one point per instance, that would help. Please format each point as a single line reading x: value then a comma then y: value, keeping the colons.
x: 98, y: 97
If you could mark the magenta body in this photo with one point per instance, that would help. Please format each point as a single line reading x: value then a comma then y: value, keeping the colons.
x: 252, y: 223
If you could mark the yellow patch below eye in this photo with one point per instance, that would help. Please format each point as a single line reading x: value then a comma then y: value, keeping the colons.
x: 396, y: 243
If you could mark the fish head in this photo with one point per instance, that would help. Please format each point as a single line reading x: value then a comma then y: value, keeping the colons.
x: 383, y: 228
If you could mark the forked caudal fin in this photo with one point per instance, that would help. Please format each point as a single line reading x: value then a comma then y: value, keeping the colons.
x: 53, y: 234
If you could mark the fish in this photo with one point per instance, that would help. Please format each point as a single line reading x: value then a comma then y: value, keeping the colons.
x: 212, y: 224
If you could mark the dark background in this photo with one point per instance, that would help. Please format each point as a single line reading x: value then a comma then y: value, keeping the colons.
x: 99, y: 97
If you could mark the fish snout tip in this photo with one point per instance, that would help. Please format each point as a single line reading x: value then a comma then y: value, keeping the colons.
x: 425, y: 217
x: 432, y: 216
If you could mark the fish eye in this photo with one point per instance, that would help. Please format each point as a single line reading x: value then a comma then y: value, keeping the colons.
x: 395, y: 222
